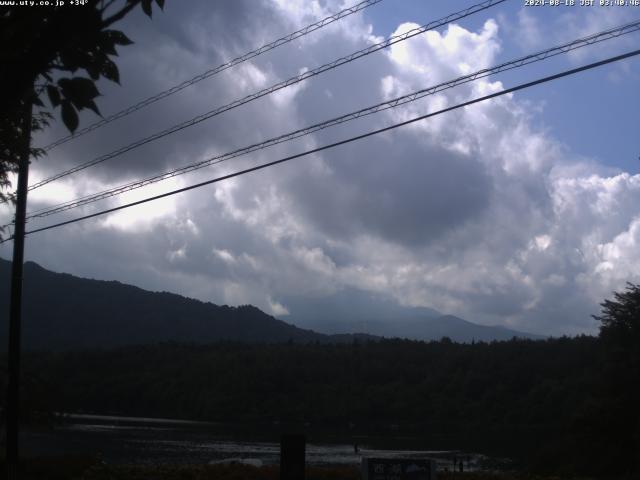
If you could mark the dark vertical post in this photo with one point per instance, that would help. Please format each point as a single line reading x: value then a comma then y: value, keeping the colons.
x: 292, y: 457
x: 15, y: 309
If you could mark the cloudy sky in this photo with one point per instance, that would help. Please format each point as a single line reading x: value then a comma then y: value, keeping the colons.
x: 522, y: 211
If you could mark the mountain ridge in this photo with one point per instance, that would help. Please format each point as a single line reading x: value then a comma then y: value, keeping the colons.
x: 63, y: 312
x: 352, y: 310
x: 422, y: 329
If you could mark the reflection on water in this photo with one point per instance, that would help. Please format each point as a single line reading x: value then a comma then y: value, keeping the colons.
x: 162, y: 442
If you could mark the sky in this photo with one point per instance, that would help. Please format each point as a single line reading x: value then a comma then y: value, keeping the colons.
x: 521, y: 211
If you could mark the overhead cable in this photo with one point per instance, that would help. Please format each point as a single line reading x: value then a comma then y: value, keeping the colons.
x: 505, y: 66
x: 342, y: 142
x: 278, y: 86
x: 214, y: 71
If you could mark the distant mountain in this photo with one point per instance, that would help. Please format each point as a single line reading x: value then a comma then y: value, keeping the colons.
x: 352, y: 311
x: 61, y: 311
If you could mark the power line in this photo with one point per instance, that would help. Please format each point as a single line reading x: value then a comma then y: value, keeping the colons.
x: 505, y: 66
x: 291, y: 81
x: 214, y: 71
x: 278, y: 86
x: 343, y: 142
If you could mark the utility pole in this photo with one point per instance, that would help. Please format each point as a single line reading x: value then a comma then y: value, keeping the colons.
x: 15, y: 309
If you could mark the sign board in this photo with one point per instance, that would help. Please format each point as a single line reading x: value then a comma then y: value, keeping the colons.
x: 398, y: 469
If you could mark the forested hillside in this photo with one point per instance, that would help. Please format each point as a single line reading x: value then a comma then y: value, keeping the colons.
x: 65, y: 312
x: 62, y: 311
x: 519, y: 398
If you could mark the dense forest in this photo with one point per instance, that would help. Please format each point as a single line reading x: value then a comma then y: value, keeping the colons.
x: 439, y: 385
x: 537, y: 401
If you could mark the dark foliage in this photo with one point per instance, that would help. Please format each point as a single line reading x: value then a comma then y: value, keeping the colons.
x: 614, y: 413
x: 516, y: 398
x: 39, y: 49
x: 88, y: 468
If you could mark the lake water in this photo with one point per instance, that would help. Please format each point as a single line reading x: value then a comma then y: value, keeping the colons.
x: 158, y: 441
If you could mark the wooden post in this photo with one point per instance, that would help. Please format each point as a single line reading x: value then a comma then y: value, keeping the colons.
x: 292, y: 457
x: 15, y: 309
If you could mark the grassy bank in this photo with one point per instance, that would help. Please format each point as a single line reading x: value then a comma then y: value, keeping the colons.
x: 83, y: 468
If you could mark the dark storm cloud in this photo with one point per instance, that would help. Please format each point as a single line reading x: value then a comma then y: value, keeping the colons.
x: 177, y: 45
x: 398, y: 189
